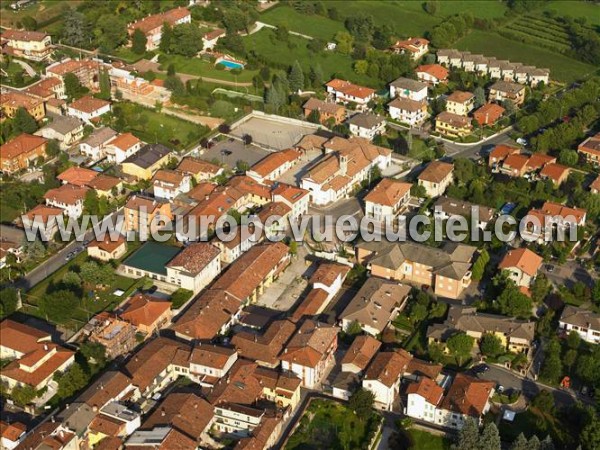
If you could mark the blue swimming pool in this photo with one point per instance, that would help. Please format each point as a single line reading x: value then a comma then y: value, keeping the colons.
x: 231, y: 64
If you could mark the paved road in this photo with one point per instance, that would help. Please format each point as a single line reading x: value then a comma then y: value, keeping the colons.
x: 55, y: 262
x: 569, y: 273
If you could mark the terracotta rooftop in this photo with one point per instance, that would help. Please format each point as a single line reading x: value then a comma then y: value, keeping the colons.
x: 315, y: 104
x: 523, y: 259
x: 124, y: 141
x: 108, y: 245
x: 73, y: 65
x: 211, y: 356
x: 388, y: 192
x: 19, y: 100
x: 310, y: 344
x: 387, y: 367
x: 12, y: 431
x: 23, y: 143
x: 195, y: 257
x: 436, y: 171
x: 350, y: 89
x: 428, y: 389
x: 407, y: 104
x: 240, y: 386
x: 362, y: 350
x: 436, y: 70
x: 195, y: 166
x: 23, y: 35
x: 264, y: 347
x: 155, y: 21
x: 460, y: 97
x: 44, y: 213
x: 77, y: 176
x: 467, y: 395
x: 88, y: 104
x: 67, y: 194
x: 143, y: 309
x: 104, y: 182
x: 556, y: 172
x: 516, y: 161
x: 501, y: 151
x: 539, y: 160
x: 328, y: 272
x: 455, y: 120
x: 273, y: 161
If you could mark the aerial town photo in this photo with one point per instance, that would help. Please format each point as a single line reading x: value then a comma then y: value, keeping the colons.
x: 300, y: 224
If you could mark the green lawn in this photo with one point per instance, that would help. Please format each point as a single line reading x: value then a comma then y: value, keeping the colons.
x: 591, y: 11
x: 331, y: 425
x: 316, y: 26
x: 424, y: 440
x: 42, y: 11
x: 202, y: 68
x: 151, y: 126
x: 479, y: 8
x: 533, y: 422
x: 332, y: 63
x: 562, y: 68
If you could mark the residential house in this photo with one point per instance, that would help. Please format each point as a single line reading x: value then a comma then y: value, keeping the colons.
x: 283, y: 389
x: 69, y: 198
x: 144, y: 164
x: 423, y: 398
x: 415, y: 47
x: 502, y: 91
x: 447, y: 269
x: 366, y: 125
x: 522, y: 265
x: 148, y: 314
x: 436, y: 178
x: 11, y: 434
x: 22, y: 152
x: 499, y: 153
x: 200, y: 170
x: 360, y: 354
x: 453, y: 125
x: 168, y: 184
x: 12, y: 242
x: 346, y: 164
x: 77, y: 176
x: 106, y: 186
x: 152, y: 25
x: 446, y: 208
x: 585, y: 322
x: 114, y: 420
x: 516, y: 335
x: 557, y: 173
x: 408, y: 111
x: 310, y: 352
x: 108, y: 248
x: 33, y: 45
x: 432, y: 73
x: 34, y: 358
x: 383, y: 376
x: 515, y: 165
x: 142, y: 213
x: 43, y: 218
x: 12, y: 101
x: 88, y: 108
x: 66, y: 130
x: 47, y: 89
x: 387, y: 199
x: 232, y: 250
x: 122, y: 147
x: 590, y: 149
x: 210, y: 38
x: 408, y: 88
x: 468, y: 397
x: 87, y: 71
x: 195, y: 266
x: 94, y: 146
x: 209, y: 363
x: 264, y: 348
x: 325, y: 110
x: 117, y: 336
x: 52, y: 435
x: 554, y: 217
x: 488, y: 114
x: 595, y: 186
x: 345, y: 92
x: 294, y: 197
x: 460, y: 103
x: 274, y: 165
x: 375, y: 305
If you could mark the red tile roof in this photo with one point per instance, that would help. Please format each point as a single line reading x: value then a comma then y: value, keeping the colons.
x: 67, y: 194
x: 195, y: 257
x: 155, y: 21
x: 77, y: 176
x: 387, y: 367
x: 350, y: 89
x: 468, y: 395
x: 428, y: 389
x: 523, y: 259
x: 89, y: 104
x: 436, y: 171
x: 436, y: 70
x: 143, y: 309
x: 388, y: 192
x: 362, y: 351
x: 23, y: 143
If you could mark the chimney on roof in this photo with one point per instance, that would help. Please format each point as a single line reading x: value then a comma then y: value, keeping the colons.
x: 162, y: 412
x: 45, y: 347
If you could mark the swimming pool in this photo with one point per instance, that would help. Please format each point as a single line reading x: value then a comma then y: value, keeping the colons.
x: 231, y: 64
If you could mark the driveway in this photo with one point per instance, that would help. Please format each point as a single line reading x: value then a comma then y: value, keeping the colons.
x: 568, y: 274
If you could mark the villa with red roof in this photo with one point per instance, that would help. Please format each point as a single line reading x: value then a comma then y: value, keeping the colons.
x: 152, y: 25
x: 432, y: 73
x: 346, y: 92
x: 522, y: 266
x: 69, y: 198
x: 415, y: 47
x: 195, y: 266
x: 148, y: 314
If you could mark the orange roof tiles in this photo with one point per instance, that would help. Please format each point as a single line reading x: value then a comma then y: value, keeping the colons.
x: 73, y: 65
x: 264, y: 347
x: 436, y: 171
x: 428, y: 389
x: 19, y: 100
x: 124, y: 141
x: 388, y: 192
x: 387, y: 367
x: 195, y: 257
x: 556, y: 172
x: 436, y: 70
x: 155, y: 21
x: 362, y: 351
x: 108, y: 245
x: 77, y: 176
x: 67, y: 194
x: 44, y: 213
x: 488, y: 113
x: 350, y: 89
x: 522, y: 258
x: 591, y: 145
x: 460, y: 97
x: 468, y: 395
x: 501, y: 151
x: 12, y: 431
x: 23, y: 35
x: 539, y: 160
x: 23, y: 143
x: 516, y: 161
x: 104, y: 182
x: 273, y: 161
x: 143, y: 309
x: 88, y: 104
x: 195, y: 166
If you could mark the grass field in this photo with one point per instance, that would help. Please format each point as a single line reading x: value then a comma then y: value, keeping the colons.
x: 424, y: 440
x: 316, y: 26
x: 42, y: 11
x: 151, y: 126
x: 533, y: 421
x: 562, y: 68
x: 591, y: 11
x: 331, y: 62
x: 201, y: 68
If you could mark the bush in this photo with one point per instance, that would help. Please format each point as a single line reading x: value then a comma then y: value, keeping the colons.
x: 179, y: 297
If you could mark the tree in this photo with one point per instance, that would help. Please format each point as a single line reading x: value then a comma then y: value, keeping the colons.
x: 71, y: 381
x: 314, y: 116
x: 175, y: 85
x: 491, y: 345
x: 71, y: 280
x: 187, y: 40
x: 344, y: 42
x: 23, y: 395
x: 171, y: 70
x: 52, y: 148
x: 361, y: 402
x: 590, y: 435
x: 354, y: 328
x: 430, y: 7
x: 540, y: 289
x: 480, y: 265
x: 94, y: 352
x: 138, y: 42
x: 552, y: 365
x: 166, y: 38
x: 24, y: 122
x: 58, y: 306
x: 76, y: 30
x: 247, y: 139
x: 316, y: 75
x: 544, y: 401
x: 513, y: 302
x: 479, y: 96
x: 361, y: 66
x: 520, y: 443
x: 547, y: 444
x: 436, y: 352
x: 73, y: 87
x: 570, y: 358
x: 111, y: 31
x: 460, y: 346
x: 9, y: 301
x: 573, y: 340
x: 29, y: 23
x: 34, y: 250
x: 91, y: 202
x: 468, y: 436
x: 568, y: 157
x: 296, y: 77
x: 293, y: 247
x: 490, y: 437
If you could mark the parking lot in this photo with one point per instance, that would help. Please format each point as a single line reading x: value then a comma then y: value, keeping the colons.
x: 274, y: 134
x: 230, y: 151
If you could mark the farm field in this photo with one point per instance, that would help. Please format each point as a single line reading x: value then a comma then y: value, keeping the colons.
x: 562, y: 68
x: 264, y: 44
